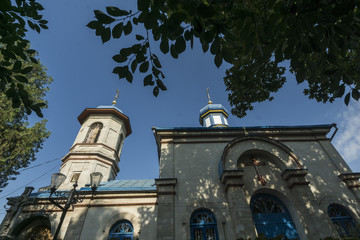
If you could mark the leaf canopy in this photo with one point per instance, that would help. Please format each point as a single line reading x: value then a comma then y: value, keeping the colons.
x: 318, y: 41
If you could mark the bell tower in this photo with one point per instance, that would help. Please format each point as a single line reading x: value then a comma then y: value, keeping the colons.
x: 97, y: 147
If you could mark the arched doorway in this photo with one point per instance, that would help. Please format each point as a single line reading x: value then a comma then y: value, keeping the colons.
x: 34, y: 228
x: 271, y: 217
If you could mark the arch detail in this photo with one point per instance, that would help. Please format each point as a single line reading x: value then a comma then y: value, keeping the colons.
x: 342, y: 220
x: 240, y: 146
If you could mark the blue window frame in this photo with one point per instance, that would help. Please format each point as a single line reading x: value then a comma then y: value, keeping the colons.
x: 122, y: 230
x: 203, y: 225
x: 342, y: 221
x: 271, y: 217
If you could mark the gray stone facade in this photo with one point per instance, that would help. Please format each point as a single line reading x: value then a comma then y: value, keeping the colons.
x: 199, y: 168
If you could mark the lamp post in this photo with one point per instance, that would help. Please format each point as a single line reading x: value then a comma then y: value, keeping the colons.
x: 64, y: 199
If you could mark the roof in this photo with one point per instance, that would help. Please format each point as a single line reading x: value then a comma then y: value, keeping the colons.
x: 126, y: 185
x: 241, y: 128
x: 106, y: 110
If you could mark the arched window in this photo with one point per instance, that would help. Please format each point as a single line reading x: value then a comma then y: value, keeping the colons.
x: 203, y: 226
x: 122, y: 230
x: 271, y: 217
x: 93, y: 133
x: 342, y: 220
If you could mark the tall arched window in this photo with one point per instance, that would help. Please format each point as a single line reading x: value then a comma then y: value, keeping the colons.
x: 271, y: 217
x: 93, y: 133
x: 203, y: 225
x: 122, y: 230
x: 342, y: 220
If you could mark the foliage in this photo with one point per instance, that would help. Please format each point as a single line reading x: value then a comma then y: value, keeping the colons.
x: 18, y: 141
x: 15, y: 52
x: 318, y: 39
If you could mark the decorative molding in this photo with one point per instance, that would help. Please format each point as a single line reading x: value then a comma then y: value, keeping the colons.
x: 166, y: 186
x: 295, y: 177
x: 232, y: 178
x: 350, y: 179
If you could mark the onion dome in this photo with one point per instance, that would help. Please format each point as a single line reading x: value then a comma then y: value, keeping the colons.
x: 214, y: 115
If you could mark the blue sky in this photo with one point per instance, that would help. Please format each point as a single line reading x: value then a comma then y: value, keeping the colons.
x: 81, y: 67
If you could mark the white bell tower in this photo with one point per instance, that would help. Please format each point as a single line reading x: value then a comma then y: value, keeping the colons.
x: 97, y: 147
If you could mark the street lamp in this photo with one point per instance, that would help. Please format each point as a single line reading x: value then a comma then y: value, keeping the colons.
x: 67, y: 198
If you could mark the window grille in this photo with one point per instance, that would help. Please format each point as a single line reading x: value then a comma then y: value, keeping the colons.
x: 342, y: 221
x: 122, y: 230
x: 203, y: 226
x: 272, y: 218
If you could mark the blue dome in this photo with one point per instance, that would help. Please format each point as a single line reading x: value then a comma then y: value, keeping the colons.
x: 216, y: 109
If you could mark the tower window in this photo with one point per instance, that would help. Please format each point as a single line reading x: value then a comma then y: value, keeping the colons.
x: 93, y: 133
x: 75, y: 177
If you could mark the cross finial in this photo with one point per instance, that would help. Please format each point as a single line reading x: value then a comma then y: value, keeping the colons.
x: 116, y: 96
x: 208, y: 95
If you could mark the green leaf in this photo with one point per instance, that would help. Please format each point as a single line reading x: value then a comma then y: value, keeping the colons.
x: 339, y: 92
x: 117, y: 30
x: 119, y: 58
x: 26, y: 70
x: 218, y: 60
x: 128, y: 28
x: 173, y: 52
x: 43, y: 26
x: 180, y: 44
x: 139, y: 37
x: 144, y: 67
x: 148, y: 80
x: 133, y: 66
x: 31, y: 24
x: 215, y: 46
x: 121, y: 71
x: 209, y: 36
x: 157, y: 63
x: 347, y: 99
x: 164, y: 45
x: 103, y: 18
x: 156, y: 91
x: 33, y: 60
x: 129, y: 77
x: 93, y: 24
x: 143, y: 5
x: 106, y: 35
x: 17, y: 66
x: 116, y: 12
x: 21, y: 78
x: 355, y: 94
x: 228, y: 54
x: 188, y: 35
x: 126, y: 51
x: 161, y: 85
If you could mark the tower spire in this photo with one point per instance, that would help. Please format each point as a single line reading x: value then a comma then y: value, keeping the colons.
x: 116, y: 96
x: 208, y: 95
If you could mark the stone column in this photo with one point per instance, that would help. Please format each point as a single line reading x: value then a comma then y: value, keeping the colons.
x: 166, y: 209
x: 313, y: 221
x: 239, y: 209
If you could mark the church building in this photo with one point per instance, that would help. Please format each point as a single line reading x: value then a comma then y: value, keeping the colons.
x: 216, y: 182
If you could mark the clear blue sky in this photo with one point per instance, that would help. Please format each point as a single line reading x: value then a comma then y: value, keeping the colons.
x: 81, y: 67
